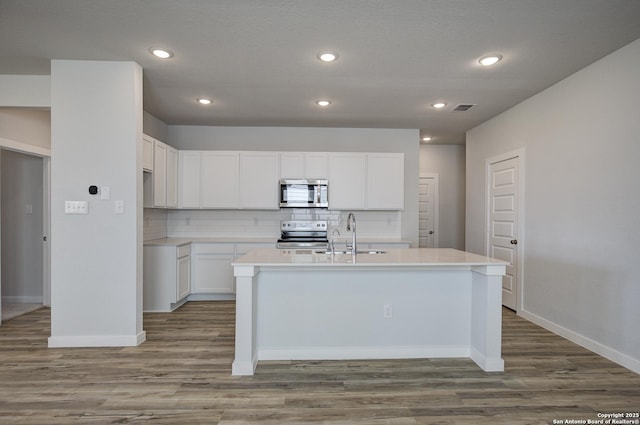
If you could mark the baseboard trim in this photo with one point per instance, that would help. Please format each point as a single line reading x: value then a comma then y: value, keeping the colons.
x: 354, y: 353
x: 22, y: 299
x: 97, y: 341
x: 583, y: 341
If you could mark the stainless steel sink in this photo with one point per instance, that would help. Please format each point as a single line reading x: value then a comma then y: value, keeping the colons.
x: 368, y: 252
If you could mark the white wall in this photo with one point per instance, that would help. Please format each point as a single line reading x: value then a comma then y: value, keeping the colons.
x: 25, y: 91
x: 28, y: 126
x: 582, y: 203
x: 21, y: 224
x: 449, y: 163
x: 153, y: 127
x: 317, y: 139
x: 96, y: 274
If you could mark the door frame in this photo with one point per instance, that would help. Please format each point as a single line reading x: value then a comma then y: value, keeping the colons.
x: 520, y: 154
x: 45, y: 154
x: 436, y: 207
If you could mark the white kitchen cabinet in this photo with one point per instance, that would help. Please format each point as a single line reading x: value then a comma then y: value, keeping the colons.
x: 385, y: 183
x: 147, y: 153
x: 172, y: 178
x: 292, y: 165
x: 159, y: 174
x: 366, y: 181
x: 304, y: 165
x: 189, y: 179
x: 219, y: 179
x: 347, y: 184
x: 259, y: 180
x: 212, y: 271
x: 166, y: 276
x: 316, y: 165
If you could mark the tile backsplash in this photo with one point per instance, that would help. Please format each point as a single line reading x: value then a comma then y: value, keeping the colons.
x: 262, y: 224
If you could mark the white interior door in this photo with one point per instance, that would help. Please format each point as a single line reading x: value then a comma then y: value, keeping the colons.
x: 503, y: 223
x: 427, y: 212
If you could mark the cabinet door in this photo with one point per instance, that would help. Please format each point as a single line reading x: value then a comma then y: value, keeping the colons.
x: 219, y: 177
x: 189, y: 179
x: 147, y: 153
x: 385, y: 183
x: 292, y: 165
x: 213, y: 274
x: 316, y: 165
x: 183, y: 286
x: 159, y: 174
x: 347, y: 185
x: 259, y: 180
x: 172, y: 177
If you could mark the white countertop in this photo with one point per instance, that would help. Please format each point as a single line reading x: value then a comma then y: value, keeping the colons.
x: 271, y: 257
x: 230, y: 239
x: 186, y: 240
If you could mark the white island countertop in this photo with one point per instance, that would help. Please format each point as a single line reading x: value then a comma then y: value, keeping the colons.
x: 407, y: 257
x: 402, y: 303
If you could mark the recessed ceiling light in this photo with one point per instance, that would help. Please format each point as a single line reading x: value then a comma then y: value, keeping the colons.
x: 439, y: 105
x: 204, y: 101
x: 323, y: 102
x: 161, y: 53
x: 490, y: 60
x: 426, y: 138
x: 327, y: 56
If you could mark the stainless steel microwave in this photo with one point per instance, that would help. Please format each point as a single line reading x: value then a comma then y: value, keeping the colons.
x: 304, y: 193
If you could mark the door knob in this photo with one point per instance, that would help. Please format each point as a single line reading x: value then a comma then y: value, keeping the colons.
x: 514, y: 242
x: 431, y: 232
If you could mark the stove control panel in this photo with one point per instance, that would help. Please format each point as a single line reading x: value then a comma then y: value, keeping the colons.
x: 297, y: 225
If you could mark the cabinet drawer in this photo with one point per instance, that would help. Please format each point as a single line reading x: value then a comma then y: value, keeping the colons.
x: 183, y: 251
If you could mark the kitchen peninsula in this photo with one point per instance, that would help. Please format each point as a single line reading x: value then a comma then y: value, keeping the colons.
x: 399, y: 303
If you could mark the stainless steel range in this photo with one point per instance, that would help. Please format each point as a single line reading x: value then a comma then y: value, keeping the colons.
x: 303, y: 234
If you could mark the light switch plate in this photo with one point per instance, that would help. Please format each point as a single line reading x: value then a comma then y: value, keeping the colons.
x: 76, y: 207
x: 105, y: 192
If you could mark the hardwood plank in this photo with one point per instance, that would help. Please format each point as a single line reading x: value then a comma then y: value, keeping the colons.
x: 182, y: 375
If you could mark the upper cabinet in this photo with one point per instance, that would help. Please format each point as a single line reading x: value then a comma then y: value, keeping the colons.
x: 259, y: 180
x: 304, y: 165
x: 347, y: 184
x: 147, y: 153
x: 189, y: 179
x: 161, y: 186
x: 366, y: 181
x: 172, y: 178
x: 249, y: 180
x: 385, y: 182
x: 159, y: 174
x: 219, y: 183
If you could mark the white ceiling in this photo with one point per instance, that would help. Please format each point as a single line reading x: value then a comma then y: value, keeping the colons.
x: 257, y: 58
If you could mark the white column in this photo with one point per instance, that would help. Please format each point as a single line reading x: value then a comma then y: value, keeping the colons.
x: 246, y: 356
x: 486, y: 317
x: 96, y: 139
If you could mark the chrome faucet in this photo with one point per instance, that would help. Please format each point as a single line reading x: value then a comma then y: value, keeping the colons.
x: 332, y: 241
x: 351, y: 225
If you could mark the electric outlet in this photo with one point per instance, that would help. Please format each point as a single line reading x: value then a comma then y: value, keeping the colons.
x: 387, y: 311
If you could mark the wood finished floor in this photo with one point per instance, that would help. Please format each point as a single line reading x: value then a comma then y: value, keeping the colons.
x: 182, y: 375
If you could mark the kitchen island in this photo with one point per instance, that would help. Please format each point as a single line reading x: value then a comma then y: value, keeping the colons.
x: 401, y: 303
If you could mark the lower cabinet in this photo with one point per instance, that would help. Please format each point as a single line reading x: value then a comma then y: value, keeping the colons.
x: 167, y: 277
x: 212, y: 271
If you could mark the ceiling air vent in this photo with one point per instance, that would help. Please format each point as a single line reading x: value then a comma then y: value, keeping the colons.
x: 463, y: 107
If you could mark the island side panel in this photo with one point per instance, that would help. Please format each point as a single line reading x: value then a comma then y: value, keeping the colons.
x: 339, y: 314
x: 486, y: 316
x: 246, y: 357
